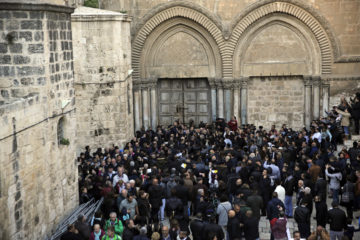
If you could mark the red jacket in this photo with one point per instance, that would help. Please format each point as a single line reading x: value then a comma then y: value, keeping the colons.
x: 102, y: 233
x: 233, y: 125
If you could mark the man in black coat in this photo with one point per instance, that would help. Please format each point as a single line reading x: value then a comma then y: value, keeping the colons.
x: 337, y: 220
x: 211, y: 229
x: 321, y: 188
x: 302, y: 218
x: 255, y: 202
x: 251, y: 226
x: 155, y: 198
x: 355, y: 113
x: 197, y: 226
x: 233, y: 226
x: 321, y: 211
x: 130, y: 231
x: 71, y: 234
x: 274, y: 206
x: 83, y: 227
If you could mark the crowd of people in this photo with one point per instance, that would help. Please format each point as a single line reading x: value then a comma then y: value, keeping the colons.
x: 215, y: 181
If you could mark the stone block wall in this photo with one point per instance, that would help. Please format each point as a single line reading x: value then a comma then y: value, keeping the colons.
x: 38, y: 176
x: 276, y: 100
x: 102, y: 59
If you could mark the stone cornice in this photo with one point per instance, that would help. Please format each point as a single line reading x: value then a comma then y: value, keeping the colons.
x: 35, y: 7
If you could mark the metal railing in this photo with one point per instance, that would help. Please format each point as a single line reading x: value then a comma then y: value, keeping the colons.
x: 87, y: 209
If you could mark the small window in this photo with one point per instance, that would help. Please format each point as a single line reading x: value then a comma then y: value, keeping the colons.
x: 60, y: 130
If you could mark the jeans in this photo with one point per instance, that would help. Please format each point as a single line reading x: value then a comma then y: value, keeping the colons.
x: 335, y: 193
x: 346, y: 130
x: 288, y: 206
x: 336, y: 235
x: 162, y: 210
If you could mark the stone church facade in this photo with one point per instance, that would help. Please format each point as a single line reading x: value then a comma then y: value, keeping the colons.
x: 75, y: 77
x: 266, y: 62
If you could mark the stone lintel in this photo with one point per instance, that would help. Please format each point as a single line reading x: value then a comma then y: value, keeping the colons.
x: 20, y: 6
x: 87, y: 14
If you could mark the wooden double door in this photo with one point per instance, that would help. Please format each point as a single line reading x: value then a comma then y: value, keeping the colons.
x: 185, y: 100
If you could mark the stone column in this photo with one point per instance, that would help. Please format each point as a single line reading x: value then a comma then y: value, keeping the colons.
x: 213, y: 99
x: 316, y: 97
x: 325, y: 98
x: 307, y: 117
x: 146, y: 107
x: 243, y: 97
x: 137, y: 106
x: 220, y: 102
x: 227, y: 102
x: 236, y: 103
x: 153, y: 107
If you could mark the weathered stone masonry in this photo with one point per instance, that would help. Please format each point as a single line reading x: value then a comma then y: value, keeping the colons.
x: 38, y: 176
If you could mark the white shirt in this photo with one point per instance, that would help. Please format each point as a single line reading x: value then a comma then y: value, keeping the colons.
x: 116, y: 179
x: 318, y: 136
x: 280, y: 190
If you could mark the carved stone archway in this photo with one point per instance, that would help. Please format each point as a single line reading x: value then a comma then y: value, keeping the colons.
x: 246, y: 21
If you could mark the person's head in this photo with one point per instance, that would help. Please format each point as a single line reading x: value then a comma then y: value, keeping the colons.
x: 165, y: 231
x: 238, y: 182
x: 113, y: 216
x: 300, y: 183
x: 182, y: 234
x: 317, y: 198
x: 97, y: 228
x: 155, y: 181
x: 81, y: 218
x: 155, y: 236
x: 130, y: 223
x: 249, y: 213
x: 111, y: 231
x: 124, y: 192
x: 143, y: 231
x: 274, y: 195
x: 237, y: 208
x: 130, y: 198
x: 335, y: 204
x: 296, y: 235
x: 319, y: 230
x: 231, y: 213
x: 71, y: 228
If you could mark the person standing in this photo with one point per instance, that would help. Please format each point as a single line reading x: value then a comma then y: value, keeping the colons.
x: 115, y: 223
x: 337, y: 221
x: 335, y: 178
x: 355, y: 113
x: 155, y: 199
x: 279, y: 227
x: 222, y: 210
x: 321, y: 211
x: 233, y: 226
x: 302, y: 218
x: 345, y: 121
x: 289, y: 185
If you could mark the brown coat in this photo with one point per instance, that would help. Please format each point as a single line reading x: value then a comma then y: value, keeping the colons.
x: 314, y: 172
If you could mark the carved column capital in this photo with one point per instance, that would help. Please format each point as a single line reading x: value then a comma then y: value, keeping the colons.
x: 244, y: 82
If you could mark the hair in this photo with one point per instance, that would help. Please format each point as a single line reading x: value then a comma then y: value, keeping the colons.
x: 155, y: 236
x: 111, y: 228
x: 143, y: 231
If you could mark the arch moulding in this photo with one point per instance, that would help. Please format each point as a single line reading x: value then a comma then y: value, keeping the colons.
x: 171, y: 27
x: 247, y: 21
x: 162, y: 16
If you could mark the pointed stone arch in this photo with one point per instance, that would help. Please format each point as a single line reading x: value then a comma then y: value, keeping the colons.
x: 169, y: 11
x: 257, y: 12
